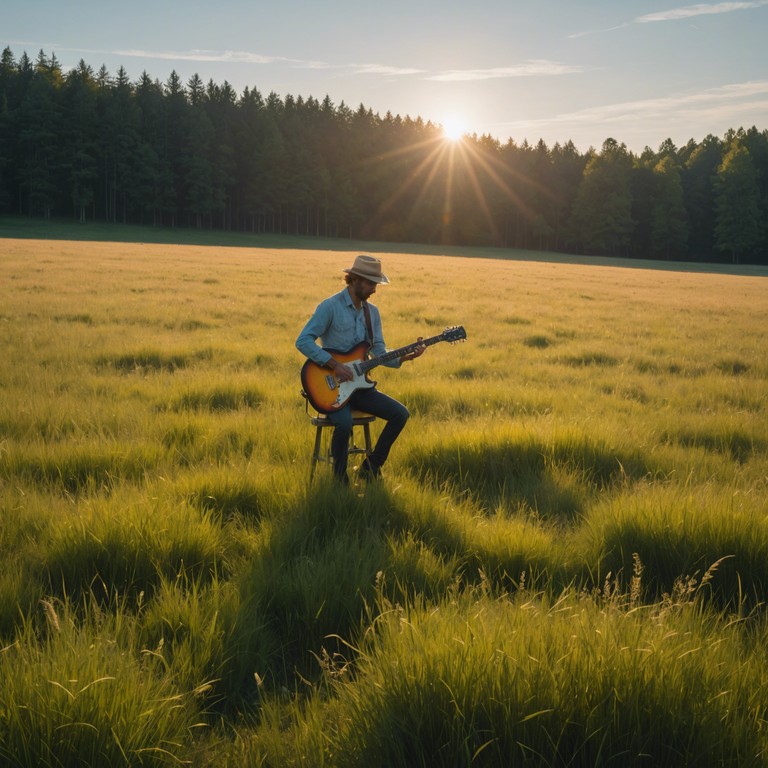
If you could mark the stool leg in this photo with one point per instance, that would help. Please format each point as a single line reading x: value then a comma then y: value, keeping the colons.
x: 368, y: 444
x: 316, y: 452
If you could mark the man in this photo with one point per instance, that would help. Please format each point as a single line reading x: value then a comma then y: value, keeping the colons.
x: 340, y: 323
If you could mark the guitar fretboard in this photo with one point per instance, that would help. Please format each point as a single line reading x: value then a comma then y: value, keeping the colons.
x: 367, y: 365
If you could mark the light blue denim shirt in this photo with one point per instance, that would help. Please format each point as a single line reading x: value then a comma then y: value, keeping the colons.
x: 340, y: 326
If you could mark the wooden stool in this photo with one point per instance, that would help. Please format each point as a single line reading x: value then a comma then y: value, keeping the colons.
x: 320, y: 422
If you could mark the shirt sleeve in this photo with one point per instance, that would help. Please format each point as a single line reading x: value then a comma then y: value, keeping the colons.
x: 379, y: 347
x: 316, y: 326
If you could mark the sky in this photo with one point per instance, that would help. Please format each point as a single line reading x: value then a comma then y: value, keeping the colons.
x: 637, y: 71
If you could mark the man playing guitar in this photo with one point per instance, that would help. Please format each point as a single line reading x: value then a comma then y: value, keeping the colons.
x: 342, y: 322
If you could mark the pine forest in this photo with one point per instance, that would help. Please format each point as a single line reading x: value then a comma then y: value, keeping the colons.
x: 92, y: 146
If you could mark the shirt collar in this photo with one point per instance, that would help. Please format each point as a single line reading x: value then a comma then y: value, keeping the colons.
x: 347, y: 299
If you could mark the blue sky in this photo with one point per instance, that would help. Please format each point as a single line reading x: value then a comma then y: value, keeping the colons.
x: 638, y: 71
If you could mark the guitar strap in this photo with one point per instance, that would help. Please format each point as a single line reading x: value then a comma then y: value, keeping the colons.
x: 368, y: 325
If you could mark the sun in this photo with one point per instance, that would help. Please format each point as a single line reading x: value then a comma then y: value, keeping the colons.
x: 454, y: 128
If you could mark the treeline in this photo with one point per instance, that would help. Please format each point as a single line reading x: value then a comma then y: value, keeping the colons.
x: 93, y: 146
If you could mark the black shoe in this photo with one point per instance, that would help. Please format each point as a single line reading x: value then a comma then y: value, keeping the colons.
x: 369, y: 471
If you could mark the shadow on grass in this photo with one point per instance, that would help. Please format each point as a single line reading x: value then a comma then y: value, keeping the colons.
x: 555, y: 480
x: 727, y: 570
x: 218, y: 399
x: 324, y: 563
x: 225, y: 499
x: 110, y: 555
x: 143, y: 361
x: 314, y: 575
x: 737, y: 444
x: 80, y: 469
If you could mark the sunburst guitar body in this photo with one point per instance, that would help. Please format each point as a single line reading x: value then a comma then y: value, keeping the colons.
x: 327, y: 394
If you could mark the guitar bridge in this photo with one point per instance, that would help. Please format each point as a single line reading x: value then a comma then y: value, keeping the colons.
x: 330, y: 380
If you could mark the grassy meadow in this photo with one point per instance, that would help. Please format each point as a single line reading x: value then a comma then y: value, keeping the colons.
x: 566, y: 563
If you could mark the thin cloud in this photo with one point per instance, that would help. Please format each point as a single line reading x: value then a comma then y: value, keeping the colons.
x: 247, y: 57
x: 676, y: 14
x: 722, y: 103
x: 228, y: 57
x: 533, y: 68
x: 597, y: 31
x: 703, y: 9
x: 240, y: 57
x: 381, y: 69
x: 237, y: 57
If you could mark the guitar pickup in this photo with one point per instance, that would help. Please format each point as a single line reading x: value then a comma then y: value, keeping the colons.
x: 330, y: 380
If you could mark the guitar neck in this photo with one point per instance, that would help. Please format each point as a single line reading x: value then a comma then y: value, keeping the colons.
x: 367, y: 365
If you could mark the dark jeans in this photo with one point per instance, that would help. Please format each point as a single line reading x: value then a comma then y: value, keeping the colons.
x: 378, y: 404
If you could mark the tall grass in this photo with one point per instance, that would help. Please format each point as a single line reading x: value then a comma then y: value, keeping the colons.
x: 489, y: 682
x: 564, y: 563
x: 75, y: 692
x: 109, y: 551
x: 683, y: 533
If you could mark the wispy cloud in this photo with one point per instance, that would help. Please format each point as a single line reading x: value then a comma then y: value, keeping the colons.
x: 532, y: 68
x: 246, y: 57
x: 237, y: 57
x: 676, y: 14
x: 596, y: 31
x: 723, y: 104
x: 381, y: 69
x: 229, y: 57
x: 702, y: 9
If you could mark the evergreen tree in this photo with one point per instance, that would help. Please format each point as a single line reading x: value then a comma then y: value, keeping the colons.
x: 248, y: 127
x: 80, y: 129
x: 221, y: 107
x: 669, y: 232
x: 643, y: 188
x: 119, y: 141
x: 696, y: 177
x: 198, y: 169
x: 603, y: 207
x: 737, y: 202
x: 174, y: 145
x: 195, y: 90
x: 272, y: 160
x: 757, y: 144
x: 151, y: 172
x: 8, y: 130
x: 567, y: 170
x: 39, y: 155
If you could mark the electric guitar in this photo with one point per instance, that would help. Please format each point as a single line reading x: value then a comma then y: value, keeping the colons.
x: 327, y: 394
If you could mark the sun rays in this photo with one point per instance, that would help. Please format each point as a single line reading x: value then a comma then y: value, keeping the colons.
x: 457, y: 175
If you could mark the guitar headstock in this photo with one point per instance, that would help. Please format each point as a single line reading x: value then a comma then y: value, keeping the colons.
x: 454, y: 333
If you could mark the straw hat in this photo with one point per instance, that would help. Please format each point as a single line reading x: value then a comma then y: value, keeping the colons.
x: 368, y: 267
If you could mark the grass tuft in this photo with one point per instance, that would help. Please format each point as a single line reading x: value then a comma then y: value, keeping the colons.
x: 597, y: 359
x: 144, y: 361
x: 109, y: 552
x: 537, y: 342
x: 732, y: 367
x: 218, y: 399
x: 80, y: 698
